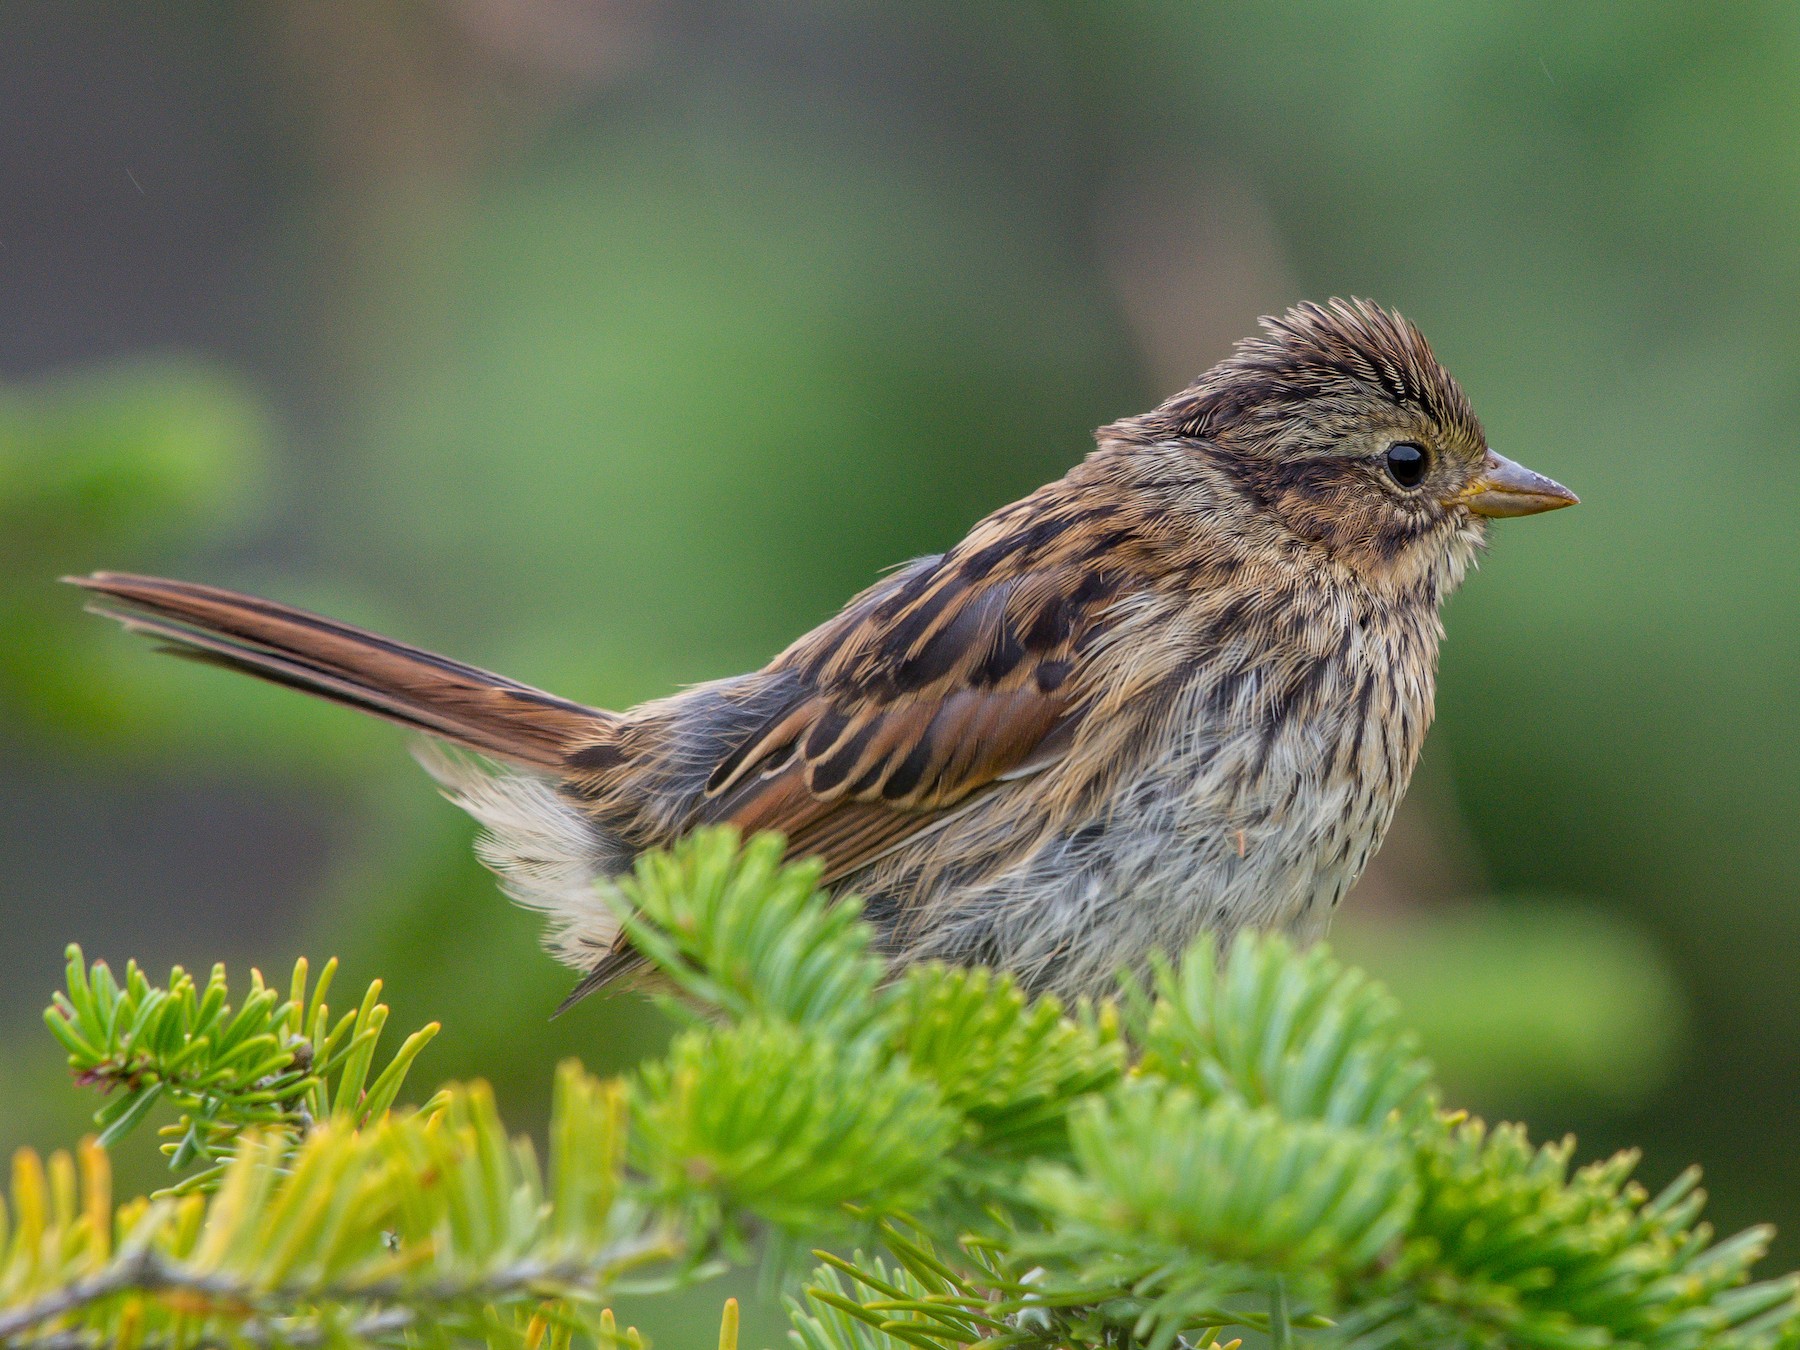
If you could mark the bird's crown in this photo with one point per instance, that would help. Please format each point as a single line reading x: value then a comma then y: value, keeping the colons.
x: 1331, y: 357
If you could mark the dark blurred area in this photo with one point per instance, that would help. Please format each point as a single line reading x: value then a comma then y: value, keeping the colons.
x: 612, y: 343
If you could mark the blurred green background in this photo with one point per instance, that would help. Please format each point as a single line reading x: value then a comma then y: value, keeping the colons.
x: 611, y: 343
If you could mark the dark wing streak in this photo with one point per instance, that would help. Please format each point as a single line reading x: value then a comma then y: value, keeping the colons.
x: 907, y: 710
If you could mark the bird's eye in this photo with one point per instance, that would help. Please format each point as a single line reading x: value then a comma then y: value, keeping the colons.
x: 1406, y: 464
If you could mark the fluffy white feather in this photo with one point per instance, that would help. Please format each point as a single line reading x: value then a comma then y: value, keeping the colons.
x: 545, y: 854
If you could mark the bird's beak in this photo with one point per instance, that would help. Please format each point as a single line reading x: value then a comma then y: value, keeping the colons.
x: 1503, y: 488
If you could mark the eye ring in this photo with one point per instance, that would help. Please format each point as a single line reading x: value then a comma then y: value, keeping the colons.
x: 1407, y: 463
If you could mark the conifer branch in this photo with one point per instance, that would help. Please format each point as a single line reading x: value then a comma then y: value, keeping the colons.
x: 266, y: 1064
x: 1250, y: 1144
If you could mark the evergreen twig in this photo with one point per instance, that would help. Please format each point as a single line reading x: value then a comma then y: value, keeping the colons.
x: 1251, y: 1144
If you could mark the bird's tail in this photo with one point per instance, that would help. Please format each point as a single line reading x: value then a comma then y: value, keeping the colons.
x: 482, y: 711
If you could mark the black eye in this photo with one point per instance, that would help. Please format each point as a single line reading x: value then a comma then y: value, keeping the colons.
x: 1407, y: 463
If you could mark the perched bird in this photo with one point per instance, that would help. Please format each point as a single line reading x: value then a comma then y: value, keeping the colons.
x: 1180, y: 688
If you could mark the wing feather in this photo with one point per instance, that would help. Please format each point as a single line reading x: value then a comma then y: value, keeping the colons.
x: 954, y: 675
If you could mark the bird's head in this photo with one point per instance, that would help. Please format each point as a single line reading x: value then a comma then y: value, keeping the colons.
x: 1337, y: 425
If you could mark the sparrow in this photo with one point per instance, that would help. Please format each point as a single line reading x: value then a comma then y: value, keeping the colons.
x: 1181, y: 688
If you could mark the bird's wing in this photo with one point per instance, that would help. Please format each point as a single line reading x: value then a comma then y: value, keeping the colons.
x: 951, y: 676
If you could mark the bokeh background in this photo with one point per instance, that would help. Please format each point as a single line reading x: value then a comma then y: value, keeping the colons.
x: 611, y: 343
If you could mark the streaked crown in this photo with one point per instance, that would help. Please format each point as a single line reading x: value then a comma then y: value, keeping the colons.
x: 1325, y: 361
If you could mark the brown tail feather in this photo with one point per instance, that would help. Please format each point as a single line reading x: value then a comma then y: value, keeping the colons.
x: 352, y: 666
